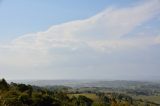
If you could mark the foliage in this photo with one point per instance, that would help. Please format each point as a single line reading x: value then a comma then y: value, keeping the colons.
x: 26, y: 95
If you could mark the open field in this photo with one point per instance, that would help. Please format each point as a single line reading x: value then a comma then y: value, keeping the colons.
x: 91, y: 96
x: 155, y: 99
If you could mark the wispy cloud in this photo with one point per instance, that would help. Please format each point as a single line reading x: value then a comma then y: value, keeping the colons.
x: 102, y: 33
x: 110, y: 25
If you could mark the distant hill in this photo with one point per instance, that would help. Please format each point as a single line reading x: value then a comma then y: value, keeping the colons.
x: 90, y: 83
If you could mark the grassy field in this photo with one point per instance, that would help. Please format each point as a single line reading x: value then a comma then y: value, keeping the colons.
x: 91, y: 96
x: 155, y: 99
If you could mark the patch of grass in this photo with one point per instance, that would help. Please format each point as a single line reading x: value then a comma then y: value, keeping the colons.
x: 94, y: 97
x: 155, y: 99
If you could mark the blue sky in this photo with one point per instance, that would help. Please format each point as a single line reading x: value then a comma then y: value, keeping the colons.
x: 85, y: 39
x: 19, y: 17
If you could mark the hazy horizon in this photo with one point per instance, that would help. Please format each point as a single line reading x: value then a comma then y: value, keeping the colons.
x: 107, y: 39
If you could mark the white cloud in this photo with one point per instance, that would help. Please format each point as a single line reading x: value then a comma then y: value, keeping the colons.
x: 109, y: 25
x: 103, y: 32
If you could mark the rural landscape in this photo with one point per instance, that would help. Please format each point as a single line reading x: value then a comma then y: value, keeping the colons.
x: 79, y: 52
x: 91, y: 93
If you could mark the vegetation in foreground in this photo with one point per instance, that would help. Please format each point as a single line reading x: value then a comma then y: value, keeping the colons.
x: 26, y: 95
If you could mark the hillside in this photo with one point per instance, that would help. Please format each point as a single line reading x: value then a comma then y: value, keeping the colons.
x: 15, y: 94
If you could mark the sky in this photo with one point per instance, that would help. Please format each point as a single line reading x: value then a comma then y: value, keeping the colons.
x: 85, y: 39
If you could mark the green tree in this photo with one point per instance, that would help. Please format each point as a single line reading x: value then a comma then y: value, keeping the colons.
x: 4, y: 85
x: 84, y: 101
